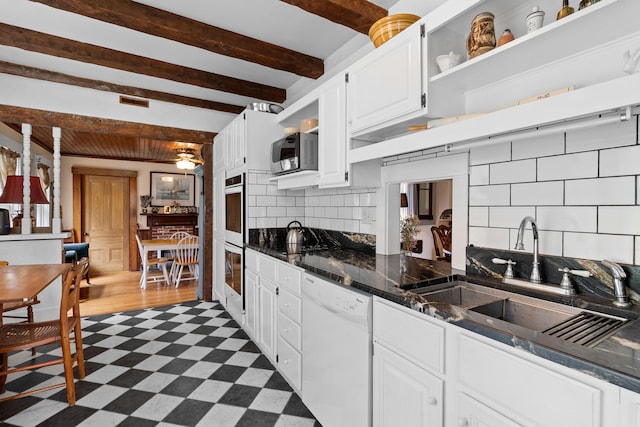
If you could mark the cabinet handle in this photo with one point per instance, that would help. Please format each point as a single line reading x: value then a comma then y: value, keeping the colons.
x: 463, y: 422
x: 433, y: 401
x: 308, y: 280
x: 285, y: 330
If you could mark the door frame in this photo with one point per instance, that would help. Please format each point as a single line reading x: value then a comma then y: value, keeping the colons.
x: 78, y: 173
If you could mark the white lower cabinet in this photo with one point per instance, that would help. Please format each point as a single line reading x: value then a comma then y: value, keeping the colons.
x: 267, y: 322
x: 273, y: 312
x: 472, y: 413
x: 403, y: 393
x: 408, y: 363
x: 629, y: 408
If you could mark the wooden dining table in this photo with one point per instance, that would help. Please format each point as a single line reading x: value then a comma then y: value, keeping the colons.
x: 24, y: 282
x: 157, y: 245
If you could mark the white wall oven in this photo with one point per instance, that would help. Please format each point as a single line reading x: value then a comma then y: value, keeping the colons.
x: 234, y: 210
x: 234, y: 244
x: 233, y: 279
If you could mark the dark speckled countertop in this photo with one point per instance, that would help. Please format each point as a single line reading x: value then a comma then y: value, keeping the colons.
x: 394, y: 276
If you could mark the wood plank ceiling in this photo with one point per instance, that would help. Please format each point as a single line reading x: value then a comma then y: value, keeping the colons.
x: 245, y: 47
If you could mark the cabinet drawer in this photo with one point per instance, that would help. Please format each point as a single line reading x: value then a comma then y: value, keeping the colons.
x: 290, y: 305
x: 290, y: 331
x: 524, y: 391
x: 251, y: 260
x: 289, y: 277
x: 267, y: 267
x: 411, y: 334
x: 290, y: 363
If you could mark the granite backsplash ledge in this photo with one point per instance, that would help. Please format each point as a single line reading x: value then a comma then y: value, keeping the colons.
x: 479, y: 262
x: 314, y: 238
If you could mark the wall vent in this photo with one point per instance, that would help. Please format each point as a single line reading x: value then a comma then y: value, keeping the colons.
x: 135, y: 102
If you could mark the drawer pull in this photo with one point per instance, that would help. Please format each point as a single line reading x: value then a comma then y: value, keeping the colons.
x: 433, y: 401
x: 463, y: 422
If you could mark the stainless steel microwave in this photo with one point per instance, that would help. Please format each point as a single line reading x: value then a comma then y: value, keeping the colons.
x: 295, y: 152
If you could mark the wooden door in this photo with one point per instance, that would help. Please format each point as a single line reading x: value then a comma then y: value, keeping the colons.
x: 105, y: 222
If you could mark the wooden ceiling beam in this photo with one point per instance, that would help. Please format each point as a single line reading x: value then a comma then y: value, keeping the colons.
x: 13, y: 114
x: 160, y: 23
x: 35, y: 41
x: 52, y: 76
x: 356, y: 14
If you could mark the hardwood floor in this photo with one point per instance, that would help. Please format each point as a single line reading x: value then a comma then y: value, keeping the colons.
x: 121, y: 292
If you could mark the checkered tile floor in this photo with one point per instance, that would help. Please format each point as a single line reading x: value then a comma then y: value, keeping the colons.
x: 188, y: 365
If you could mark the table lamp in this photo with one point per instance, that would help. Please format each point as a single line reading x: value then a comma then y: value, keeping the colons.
x: 13, y: 193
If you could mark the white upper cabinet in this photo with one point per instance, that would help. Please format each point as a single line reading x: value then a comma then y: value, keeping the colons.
x: 247, y: 141
x: 387, y: 83
x: 332, y: 135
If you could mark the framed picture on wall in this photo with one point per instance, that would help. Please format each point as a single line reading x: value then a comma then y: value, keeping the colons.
x: 169, y: 188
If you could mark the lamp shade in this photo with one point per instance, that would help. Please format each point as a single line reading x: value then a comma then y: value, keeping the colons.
x: 404, y: 203
x: 13, y: 191
x: 185, y: 164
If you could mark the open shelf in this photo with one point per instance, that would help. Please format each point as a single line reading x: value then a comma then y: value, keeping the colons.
x: 595, y: 25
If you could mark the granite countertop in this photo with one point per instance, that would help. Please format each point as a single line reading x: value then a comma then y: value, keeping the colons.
x: 394, y: 276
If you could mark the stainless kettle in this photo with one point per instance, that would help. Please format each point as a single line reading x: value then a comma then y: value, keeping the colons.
x: 295, y: 237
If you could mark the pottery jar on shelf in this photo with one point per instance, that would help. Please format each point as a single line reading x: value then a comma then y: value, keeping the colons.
x: 482, y: 37
x: 535, y: 19
x: 506, y: 37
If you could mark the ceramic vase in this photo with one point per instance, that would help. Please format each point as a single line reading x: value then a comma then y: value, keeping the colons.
x: 482, y: 37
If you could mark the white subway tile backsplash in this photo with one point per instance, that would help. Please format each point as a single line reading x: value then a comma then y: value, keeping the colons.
x: 508, y: 172
x: 489, y: 195
x: 566, y: 218
x: 356, y: 213
x: 620, y: 161
x: 538, y: 147
x: 550, y: 243
x: 619, y: 219
x: 337, y: 224
x: 295, y: 211
x: 479, y: 175
x: 266, y: 200
x: 599, y: 246
x: 538, y: 193
x: 569, y: 166
x: 264, y: 222
x: 600, y: 191
x: 497, y: 238
x: 508, y: 216
x: 615, y: 135
x: 337, y: 200
x: 368, y: 199
x: 276, y: 211
x: 256, y: 190
x: 479, y: 216
x: 285, y: 201
x: 490, y: 154
x: 331, y: 212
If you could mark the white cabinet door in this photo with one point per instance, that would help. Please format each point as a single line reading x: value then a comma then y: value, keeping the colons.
x: 267, y: 325
x: 251, y: 294
x: 404, y: 394
x: 240, y: 141
x: 388, y: 83
x: 332, y: 134
x: 218, y: 151
x: 630, y: 408
x: 218, y: 203
x: 474, y: 414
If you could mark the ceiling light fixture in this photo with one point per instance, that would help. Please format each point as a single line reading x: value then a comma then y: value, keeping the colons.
x: 186, y: 159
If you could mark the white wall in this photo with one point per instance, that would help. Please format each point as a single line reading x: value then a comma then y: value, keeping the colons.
x: 142, y: 168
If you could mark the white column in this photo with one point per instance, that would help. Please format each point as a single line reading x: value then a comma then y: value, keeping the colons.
x: 57, y: 221
x: 26, y: 176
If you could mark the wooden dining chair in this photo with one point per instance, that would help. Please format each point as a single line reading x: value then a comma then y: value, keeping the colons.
x: 162, y: 262
x: 178, y: 235
x: 187, y: 255
x: 442, y: 242
x: 19, y: 336
x: 11, y: 307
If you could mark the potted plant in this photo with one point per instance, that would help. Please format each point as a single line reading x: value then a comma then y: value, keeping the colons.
x: 408, y: 231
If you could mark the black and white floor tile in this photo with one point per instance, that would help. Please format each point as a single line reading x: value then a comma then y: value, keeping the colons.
x: 181, y: 365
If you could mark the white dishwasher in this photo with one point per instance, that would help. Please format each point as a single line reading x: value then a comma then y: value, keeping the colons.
x: 336, y: 346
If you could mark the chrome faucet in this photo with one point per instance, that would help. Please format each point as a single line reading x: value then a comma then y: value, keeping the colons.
x: 622, y: 299
x: 535, y: 270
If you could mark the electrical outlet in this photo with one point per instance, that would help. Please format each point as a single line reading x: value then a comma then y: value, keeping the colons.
x: 368, y: 214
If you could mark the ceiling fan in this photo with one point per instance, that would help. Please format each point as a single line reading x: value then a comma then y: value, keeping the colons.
x: 187, y: 158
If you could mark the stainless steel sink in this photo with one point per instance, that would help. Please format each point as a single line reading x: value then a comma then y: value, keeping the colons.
x: 493, y: 306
